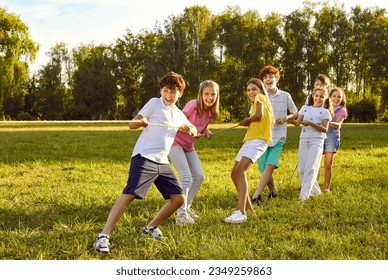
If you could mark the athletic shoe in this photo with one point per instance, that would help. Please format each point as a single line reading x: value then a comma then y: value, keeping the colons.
x: 153, y: 232
x: 257, y: 200
x: 184, y: 220
x: 236, y: 218
x: 192, y: 214
x: 272, y: 195
x: 101, y: 245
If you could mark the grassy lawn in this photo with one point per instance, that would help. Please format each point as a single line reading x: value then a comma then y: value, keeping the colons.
x: 58, y: 182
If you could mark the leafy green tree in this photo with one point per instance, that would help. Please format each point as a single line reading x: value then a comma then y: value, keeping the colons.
x: 95, y: 88
x: 377, y: 57
x: 296, y: 49
x: 17, y: 49
x: 50, y: 92
x: 153, y: 68
x: 115, y: 81
x: 199, y: 61
x: 128, y: 71
x: 334, y: 30
x: 360, y: 20
x: 52, y: 84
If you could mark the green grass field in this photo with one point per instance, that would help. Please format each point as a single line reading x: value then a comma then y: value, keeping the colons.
x: 58, y: 182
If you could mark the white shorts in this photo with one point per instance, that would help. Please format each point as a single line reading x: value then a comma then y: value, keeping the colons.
x: 252, y: 149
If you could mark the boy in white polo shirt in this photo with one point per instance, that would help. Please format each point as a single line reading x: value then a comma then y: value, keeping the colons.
x: 284, y: 109
x: 161, y: 120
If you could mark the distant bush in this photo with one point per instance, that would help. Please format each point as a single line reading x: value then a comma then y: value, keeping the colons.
x: 24, y: 116
x: 364, y: 110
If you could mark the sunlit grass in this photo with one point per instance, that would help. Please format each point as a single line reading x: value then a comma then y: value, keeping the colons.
x: 58, y: 182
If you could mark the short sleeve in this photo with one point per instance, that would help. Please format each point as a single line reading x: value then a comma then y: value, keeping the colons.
x: 190, y: 107
x: 290, y: 104
x: 148, y: 108
x: 302, y: 110
x: 342, y: 113
x: 326, y: 115
x: 260, y: 98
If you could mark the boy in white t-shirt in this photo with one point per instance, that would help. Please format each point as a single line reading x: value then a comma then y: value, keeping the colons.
x: 161, y: 120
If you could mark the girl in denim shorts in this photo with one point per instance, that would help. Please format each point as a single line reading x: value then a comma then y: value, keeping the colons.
x: 332, y: 142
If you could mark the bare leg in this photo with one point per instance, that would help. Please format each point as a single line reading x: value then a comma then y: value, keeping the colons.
x: 117, y: 211
x: 233, y: 174
x: 271, y: 186
x: 265, y: 179
x: 328, y: 164
x: 240, y: 181
x: 176, y: 201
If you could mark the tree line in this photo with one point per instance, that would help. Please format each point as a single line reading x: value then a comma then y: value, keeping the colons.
x: 113, y: 81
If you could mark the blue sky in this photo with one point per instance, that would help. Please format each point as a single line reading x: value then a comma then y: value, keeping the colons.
x: 78, y: 22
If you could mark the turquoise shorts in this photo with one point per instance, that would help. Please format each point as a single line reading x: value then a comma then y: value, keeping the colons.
x: 270, y: 156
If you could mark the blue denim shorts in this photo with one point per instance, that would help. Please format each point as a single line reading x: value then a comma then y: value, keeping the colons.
x: 331, y: 144
x: 144, y: 172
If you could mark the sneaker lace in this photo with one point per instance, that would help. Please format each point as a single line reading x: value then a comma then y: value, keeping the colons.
x: 103, y: 242
x: 156, y: 233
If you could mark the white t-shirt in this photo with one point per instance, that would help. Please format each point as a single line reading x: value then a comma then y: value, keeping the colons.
x: 316, y: 115
x: 155, y: 142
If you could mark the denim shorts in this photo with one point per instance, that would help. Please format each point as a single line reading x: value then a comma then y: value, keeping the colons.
x: 332, y: 143
x: 271, y: 156
x: 143, y: 172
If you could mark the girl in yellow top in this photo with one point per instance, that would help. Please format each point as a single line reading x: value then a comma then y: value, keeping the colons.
x: 258, y: 136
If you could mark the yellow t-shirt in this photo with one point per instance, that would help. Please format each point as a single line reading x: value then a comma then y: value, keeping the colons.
x: 263, y: 128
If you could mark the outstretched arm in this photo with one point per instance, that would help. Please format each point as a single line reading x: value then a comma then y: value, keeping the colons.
x: 256, y: 117
x: 207, y: 133
x: 189, y: 129
x: 138, y: 121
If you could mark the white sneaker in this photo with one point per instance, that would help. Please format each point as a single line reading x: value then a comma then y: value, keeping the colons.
x: 184, y: 220
x: 192, y: 214
x: 236, y: 218
x: 153, y: 232
x: 101, y: 245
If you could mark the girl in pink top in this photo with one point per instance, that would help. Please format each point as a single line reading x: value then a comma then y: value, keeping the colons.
x: 332, y: 142
x: 183, y: 155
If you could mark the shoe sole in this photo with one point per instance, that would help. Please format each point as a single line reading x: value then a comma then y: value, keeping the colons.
x: 99, y: 251
x: 234, y: 221
x: 148, y: 236
x: 195, y: 218
x: 184, y: 224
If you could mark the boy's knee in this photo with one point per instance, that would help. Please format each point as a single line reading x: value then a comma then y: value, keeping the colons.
x: 177, y: 199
